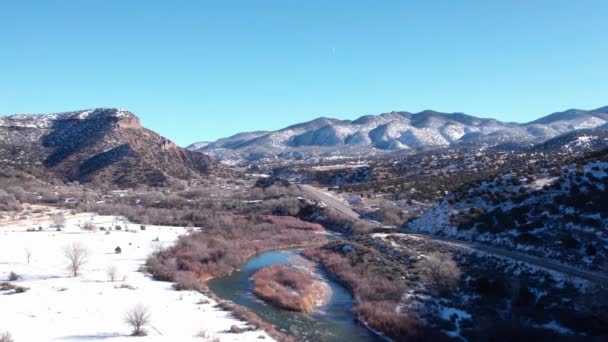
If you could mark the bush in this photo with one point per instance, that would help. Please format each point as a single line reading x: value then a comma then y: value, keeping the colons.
x: 236, y: 329
x: 89, y: 226
x: 187, y: 281
x: 439, y: 271
x: 9, y: 286
x: 13, y: 276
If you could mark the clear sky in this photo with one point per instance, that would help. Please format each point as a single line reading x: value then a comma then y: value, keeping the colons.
x: 200, y: 70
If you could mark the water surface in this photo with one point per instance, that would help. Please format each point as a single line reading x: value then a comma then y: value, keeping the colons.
x: 333, y: 321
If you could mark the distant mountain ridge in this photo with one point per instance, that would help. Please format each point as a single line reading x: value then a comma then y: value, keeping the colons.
x: 104, y: 145
x: 394, y: 131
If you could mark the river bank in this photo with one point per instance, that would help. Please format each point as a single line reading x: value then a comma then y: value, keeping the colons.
x: 332, y: 321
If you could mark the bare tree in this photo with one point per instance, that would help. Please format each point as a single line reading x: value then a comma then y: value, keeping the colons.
x: 137, y: 318
x: 439, y: 270
x: 157, y: 247
x: 58, y: 221
x: 76, y: 255
x: 6, y: 337
x: 28, y: 255
x: 112, y: 273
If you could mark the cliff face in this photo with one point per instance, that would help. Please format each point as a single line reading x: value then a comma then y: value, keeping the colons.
x: 101, y: 146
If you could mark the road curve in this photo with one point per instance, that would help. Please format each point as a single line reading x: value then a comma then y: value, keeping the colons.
x: 319, y: 195
x: 330, y: 201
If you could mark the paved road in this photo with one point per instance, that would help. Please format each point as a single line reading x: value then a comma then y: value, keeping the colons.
x: 319, y: 195
x: 530, y: 259
x: 330, y: 201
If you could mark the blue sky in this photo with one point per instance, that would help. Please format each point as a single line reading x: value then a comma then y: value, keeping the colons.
x: 201, y: 70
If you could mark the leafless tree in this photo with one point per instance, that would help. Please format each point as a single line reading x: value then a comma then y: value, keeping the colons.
x: 112, y: 273
x: 28, y: 255
x: 439, y: 270
x: 6, y: 337
x: 58, y: 220
x: 76, y: 255
x: 157, y: 248
x: 137, y: 318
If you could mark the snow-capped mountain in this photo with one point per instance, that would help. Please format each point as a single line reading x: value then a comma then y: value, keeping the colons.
x: 372, y: 134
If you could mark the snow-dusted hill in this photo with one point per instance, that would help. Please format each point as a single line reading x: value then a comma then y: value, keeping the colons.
x: 393, y: 131
x: 560, y: 215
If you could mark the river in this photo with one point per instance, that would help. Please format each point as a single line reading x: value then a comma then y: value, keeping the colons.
x: 333, y: 321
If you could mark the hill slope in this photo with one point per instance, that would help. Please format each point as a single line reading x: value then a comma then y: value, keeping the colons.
x: 559, y: 214
x: 101, y: 146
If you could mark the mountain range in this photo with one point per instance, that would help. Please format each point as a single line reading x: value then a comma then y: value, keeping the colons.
x: 103, y: 145
x: 372, y: 134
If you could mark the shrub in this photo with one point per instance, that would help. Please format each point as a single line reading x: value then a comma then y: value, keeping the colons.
x: 137, y: 318
x: 13, y: 276
x: 439, y: 271
x: 89, y: 226
x: 207, y: 336
x: 236, y: 329
x: 9, y: 286
x: 187, y: 281
x: 21, y: 289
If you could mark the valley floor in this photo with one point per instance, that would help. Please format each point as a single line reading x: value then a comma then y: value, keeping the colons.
x: 91, y: 306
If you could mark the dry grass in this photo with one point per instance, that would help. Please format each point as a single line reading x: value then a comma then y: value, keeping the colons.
x: 289, y: 288
x: 220, y: 249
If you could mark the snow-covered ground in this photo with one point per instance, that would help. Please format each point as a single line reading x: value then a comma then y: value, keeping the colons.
x: 91, y: 307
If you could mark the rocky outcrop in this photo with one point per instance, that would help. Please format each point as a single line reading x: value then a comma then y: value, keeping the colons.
x: 102, y: 145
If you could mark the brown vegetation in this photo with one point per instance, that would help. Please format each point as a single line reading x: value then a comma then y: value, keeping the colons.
x: 221, y: 248
x: 377, y: 292
x: 289, y: 288
x: 439, y: 270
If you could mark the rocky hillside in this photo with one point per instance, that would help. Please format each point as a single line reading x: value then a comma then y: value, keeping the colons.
x: 106, y: 146
x: 394, y: 131
x: 560, y: 214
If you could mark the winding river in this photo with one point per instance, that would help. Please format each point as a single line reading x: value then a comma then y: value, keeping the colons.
x: 333, y: 321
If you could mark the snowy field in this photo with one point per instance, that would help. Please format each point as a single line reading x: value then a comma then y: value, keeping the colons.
x: 91, y: 307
